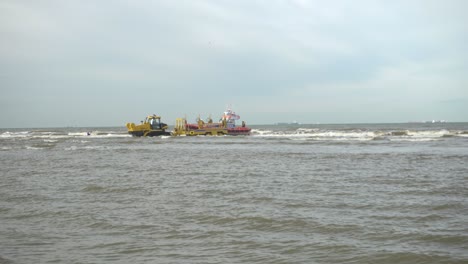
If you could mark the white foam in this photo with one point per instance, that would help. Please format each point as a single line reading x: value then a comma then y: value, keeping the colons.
x: 50, y: 136
x: 421, y: 136
x: 93, y: 147
x: 260, y: 132
x: 22, y: 134
x: 316, y: 134
x: 307, y: 130
x: 78, y: 134
x: 98, y: 135
x: 357, y: 135
x: 119, y: 135
x: 32, y: 148
x: 413, y: 139
x: 72, y: 148
x: 429, y: 133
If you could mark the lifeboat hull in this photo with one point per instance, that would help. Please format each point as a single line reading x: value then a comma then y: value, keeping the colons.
x: 238, y: 131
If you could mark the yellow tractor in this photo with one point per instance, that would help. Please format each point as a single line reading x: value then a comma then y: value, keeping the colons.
x: 152, y: 126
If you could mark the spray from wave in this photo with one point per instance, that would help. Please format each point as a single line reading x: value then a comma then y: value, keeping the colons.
x: 358, y: 134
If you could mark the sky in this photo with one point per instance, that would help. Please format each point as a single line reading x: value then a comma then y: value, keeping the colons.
x: 90, y: 63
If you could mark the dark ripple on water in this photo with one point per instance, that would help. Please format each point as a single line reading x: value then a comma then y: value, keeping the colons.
x: 269, y: 198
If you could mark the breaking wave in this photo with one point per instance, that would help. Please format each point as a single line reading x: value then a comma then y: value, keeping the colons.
x: 398, y: 133
x: 51, y: 136
x: 358, y: 135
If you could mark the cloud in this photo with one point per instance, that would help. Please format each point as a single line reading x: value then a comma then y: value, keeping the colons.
x: 283, y: 56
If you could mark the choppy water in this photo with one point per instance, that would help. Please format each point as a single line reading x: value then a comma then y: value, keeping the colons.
x: 394, y: 193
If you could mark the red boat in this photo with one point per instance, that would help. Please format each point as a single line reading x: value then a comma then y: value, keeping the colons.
x: 239, y: 131
x: 227, y: 122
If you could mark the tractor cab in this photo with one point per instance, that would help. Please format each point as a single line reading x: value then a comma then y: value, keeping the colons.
x: 152, y: 126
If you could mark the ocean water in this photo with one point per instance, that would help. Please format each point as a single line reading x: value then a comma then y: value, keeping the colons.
x: 372, y: 193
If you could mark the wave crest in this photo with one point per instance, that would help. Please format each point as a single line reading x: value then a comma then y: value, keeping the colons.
x: 358, y: 134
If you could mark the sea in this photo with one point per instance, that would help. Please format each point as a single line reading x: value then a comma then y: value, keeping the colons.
x: 351, y: 193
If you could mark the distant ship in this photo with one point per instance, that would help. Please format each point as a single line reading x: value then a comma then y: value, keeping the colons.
x: 293, y: 123
x: 428, y: 122
x: 435, y: 121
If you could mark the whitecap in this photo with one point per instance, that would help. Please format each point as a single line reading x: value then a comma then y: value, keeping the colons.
x: 22, y: 134
x: 75, y: 134
x: 420, y: 139
x: 260, y: 132
x: 430, y: 133
x: 72, y: 148
x: 316, y: 134
x: 32, y: 148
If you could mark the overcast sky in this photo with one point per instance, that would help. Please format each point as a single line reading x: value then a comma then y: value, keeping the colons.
x: 108, y: 62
